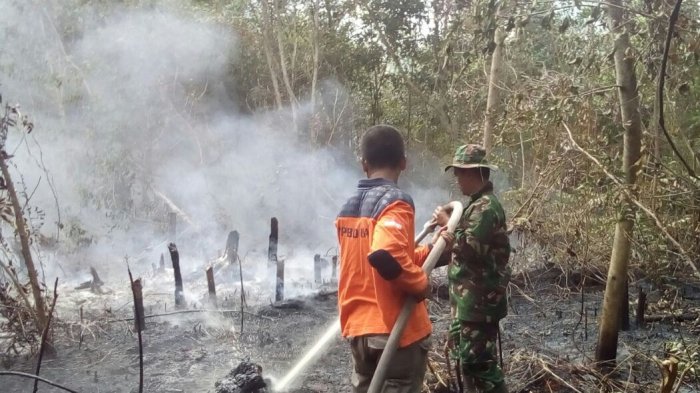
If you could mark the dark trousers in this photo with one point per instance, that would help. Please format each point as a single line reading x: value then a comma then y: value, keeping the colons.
x: 406, y: 371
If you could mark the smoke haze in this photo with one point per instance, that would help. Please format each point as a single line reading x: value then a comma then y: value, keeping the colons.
x: 133, y: 118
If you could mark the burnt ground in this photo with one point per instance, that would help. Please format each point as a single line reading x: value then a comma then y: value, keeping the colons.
x: 547, y: 343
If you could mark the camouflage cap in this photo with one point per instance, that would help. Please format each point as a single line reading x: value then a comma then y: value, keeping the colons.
x: 470, y: 156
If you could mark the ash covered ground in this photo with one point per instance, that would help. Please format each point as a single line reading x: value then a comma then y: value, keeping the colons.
x: 547, y: 344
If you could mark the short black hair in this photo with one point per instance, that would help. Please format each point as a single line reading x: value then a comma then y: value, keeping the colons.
x: 382, y: 147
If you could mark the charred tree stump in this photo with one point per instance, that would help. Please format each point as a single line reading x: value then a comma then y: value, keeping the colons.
x: 641, y: 307
x: 212, y: 286
x: 95, y: 277
x: 625, y: 308
x: 334, y: 267
x: 139, y: 314
x: 272, y: 248
x: 317, y: 269
x: 172, y: 226
x: 95, y: 284
x: 175, y: 257
x: 232, y: 252
x: 272, y: 264
x: 161, y: 267
x: 279, y: 289
x: 138, y: 331
x: 232, y: 246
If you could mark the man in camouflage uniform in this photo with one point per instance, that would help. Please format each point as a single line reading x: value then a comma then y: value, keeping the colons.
x: 478, y: 273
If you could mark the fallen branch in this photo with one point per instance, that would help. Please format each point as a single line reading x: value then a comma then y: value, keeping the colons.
x: 558, y: 378
x: 437, y: 376
x: 646, y: 210
x: 38, y: 378
x: 686, y: 369
x: 45, y: 334
x: 193, y: 311
x: 677, y: 317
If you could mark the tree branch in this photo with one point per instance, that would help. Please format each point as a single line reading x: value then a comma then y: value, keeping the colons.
x: 36, y: 377
x: 629, y: 195
x: 662, y: 81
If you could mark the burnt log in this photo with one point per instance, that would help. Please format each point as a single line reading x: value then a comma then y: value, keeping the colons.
x: 245, y: 378
x: 676, y: 317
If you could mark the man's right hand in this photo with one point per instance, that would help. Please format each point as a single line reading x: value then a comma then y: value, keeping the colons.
x: 426, y: 294
x: 441, y: 215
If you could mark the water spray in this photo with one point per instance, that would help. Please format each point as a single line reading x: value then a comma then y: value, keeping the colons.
x: 391, y: 346
x: 332, y: 332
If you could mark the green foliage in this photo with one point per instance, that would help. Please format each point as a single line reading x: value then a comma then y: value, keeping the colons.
x: 423, y: 66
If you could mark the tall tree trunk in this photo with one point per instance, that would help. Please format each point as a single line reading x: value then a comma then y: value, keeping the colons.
x: 314, y: 76
x: 606, y: 350
x: 39, y: 305
x: 267, y: 48
x: 493, y: 99
x: 283, y: 67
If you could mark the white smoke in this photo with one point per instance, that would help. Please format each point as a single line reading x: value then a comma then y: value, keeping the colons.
x: 130, y: 106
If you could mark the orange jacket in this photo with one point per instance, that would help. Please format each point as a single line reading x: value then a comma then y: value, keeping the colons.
x: 379, y: 264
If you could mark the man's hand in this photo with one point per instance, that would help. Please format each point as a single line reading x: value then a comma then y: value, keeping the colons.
x: 447, y: 236
x: 426, y: 294
x: 449, y: 243
x: 441, y: 215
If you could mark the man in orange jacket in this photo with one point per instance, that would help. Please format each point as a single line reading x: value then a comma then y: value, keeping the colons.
x: 380, y: 266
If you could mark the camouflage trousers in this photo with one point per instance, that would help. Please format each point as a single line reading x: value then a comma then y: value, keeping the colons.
x: 473, y: 345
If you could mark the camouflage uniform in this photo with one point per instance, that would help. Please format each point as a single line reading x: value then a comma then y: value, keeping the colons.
x: 478, y: 277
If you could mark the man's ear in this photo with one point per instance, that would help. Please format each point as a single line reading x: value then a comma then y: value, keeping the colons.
x: 365, y: 166
x: 403, y: 164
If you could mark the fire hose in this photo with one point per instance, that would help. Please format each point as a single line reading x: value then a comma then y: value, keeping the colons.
x: 393, y: 342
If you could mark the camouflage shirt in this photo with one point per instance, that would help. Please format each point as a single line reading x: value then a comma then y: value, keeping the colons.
x: 479, y: 273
